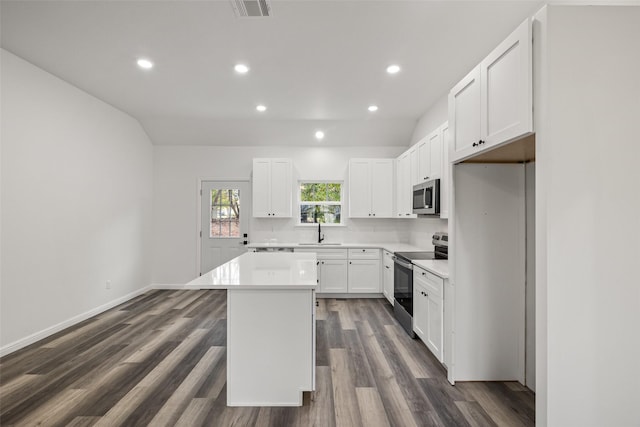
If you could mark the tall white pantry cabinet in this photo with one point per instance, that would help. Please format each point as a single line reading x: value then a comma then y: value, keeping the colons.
x: 584, y: 66
x: 490, y: 107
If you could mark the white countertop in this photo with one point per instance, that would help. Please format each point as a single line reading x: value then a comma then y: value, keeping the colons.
x: 263, y: 270
x: 391, y: 247
x: 439, y: 267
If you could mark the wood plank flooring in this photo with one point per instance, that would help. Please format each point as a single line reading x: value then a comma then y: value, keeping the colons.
x: 160, y: 360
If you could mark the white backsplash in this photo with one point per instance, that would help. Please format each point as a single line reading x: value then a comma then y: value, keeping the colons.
x: 355, y: 230
x: 422, y: 230
x: 416, y: 231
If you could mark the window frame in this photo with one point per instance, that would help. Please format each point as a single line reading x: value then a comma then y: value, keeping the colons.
x: 300, y: 202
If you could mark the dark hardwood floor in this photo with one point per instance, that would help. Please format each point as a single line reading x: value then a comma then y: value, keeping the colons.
x: 160, y: 359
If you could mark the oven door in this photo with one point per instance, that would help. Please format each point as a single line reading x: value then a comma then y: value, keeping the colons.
x: 403, y: 284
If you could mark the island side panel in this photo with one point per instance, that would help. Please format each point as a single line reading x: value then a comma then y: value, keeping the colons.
x: 270, y: 348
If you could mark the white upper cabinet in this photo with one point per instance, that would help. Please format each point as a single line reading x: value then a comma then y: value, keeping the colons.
x: 359, y: 188
x: 435, y: 155
x: 464, y: 115
x: 492, y: 105
x: 272, y: 188
x: 404, y: 187
x: 430, y: 156
x: 371, y: 188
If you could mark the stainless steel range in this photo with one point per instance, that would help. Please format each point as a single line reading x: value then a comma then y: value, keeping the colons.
x: 403, y: 279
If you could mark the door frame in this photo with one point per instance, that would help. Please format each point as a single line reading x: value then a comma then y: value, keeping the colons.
x: 198, y: 206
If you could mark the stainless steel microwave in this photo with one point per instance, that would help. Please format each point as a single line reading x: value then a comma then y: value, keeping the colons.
x: 426, y: 198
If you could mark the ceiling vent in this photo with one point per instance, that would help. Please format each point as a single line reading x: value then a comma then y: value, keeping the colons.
x: 251, y: 8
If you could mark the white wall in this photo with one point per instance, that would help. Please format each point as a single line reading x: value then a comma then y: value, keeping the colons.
x: 177, y: 171
x: 435, y: 116
x: 588, y: 175
x: 76, y: 202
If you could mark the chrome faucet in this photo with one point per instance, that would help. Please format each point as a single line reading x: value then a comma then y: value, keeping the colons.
x: 320, y: 236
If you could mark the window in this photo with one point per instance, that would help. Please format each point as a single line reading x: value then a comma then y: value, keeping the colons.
x: 320, y: 202
x: 225, y: 213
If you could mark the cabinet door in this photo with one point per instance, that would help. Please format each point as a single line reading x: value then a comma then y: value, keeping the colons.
x: 359, y: 189
x: 364, y: 276
x: 506, y: 90
x: 434, y: 325
x: 420, y: 311
x: 387, y: 280
x: 333, y: 276
x: 413, y: 156
x: 382, y: 188
x: 447, y: 341
x: 261, y: 195
x: 464, y: 115
x: 424, y: 159
x: 402, y: 185
x: 445, y: 180
x: 435, y: 155
x: 405, y: 187
x: 281, y: 188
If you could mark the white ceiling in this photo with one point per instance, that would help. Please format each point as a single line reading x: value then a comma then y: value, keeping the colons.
x: 315, y: 64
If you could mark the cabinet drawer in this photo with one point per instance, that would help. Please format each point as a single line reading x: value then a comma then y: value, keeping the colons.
x: 432, y: 283
x: 326, y: 253
x: 364, y: 253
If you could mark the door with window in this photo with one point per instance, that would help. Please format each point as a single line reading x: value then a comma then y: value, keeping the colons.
x: 225, y: 207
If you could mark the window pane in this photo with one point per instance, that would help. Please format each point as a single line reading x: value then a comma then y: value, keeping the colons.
x: 225, y: 213
x: 326, y: 214
x: 333, y: 192
x: 319, y: 192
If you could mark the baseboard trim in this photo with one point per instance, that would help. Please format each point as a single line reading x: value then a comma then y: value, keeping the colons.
x: 23, y: 342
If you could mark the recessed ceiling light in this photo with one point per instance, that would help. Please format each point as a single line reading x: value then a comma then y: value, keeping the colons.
x: 373, y: 108
x: 261, y: 108
x: 145, y: 63
x: 393, y: 69
x: 241, y: 68
x: 319, y: 135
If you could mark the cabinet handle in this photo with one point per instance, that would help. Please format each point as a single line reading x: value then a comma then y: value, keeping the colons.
x: 426, y: 177
x: 374, y: 214
x: 386, y: 266
x: 349, y: 262
x: 481, y: 142
x: 475, y: 144
x: 424, y: 274
x: 318, y: 263
x: 322, y: 262
x: 407, y: 214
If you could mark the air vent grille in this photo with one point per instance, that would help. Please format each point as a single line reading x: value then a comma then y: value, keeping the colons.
x: 251, y: 8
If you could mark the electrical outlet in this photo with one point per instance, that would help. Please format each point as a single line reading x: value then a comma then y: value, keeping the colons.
x: 108, y: 284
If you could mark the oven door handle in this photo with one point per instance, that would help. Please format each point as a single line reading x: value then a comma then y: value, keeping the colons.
x: 402, y: 263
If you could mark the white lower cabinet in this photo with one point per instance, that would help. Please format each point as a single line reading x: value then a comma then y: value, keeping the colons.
x: 343, y: 271
x: 364, y: 276
x: 428, y: 310
x: 332, y: 276
x: 387, y: 275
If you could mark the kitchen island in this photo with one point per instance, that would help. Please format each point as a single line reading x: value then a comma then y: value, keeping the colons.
x: 270, y: 326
